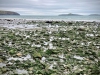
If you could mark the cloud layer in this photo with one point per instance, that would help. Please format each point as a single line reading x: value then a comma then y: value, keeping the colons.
x: 51, y: 7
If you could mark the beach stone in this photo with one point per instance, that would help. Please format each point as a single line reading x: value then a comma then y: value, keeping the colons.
x: 19, y: 54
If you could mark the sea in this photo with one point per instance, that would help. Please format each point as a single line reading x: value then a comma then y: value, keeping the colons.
x: 41, y: 17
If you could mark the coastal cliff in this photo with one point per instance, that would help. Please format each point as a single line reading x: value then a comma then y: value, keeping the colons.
x: 8, y: 13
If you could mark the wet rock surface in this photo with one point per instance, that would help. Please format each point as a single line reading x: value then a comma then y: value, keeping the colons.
x: 30, y: 47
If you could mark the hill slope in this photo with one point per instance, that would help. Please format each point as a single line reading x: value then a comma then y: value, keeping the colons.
x: 94, y: 15
x: 70, y: 15
x: 8, y: 13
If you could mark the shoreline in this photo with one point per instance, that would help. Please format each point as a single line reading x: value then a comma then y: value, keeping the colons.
x: 51, y: 19
x: 31, y: 24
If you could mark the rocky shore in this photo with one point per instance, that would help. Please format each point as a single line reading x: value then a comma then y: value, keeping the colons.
x: 35, y: 47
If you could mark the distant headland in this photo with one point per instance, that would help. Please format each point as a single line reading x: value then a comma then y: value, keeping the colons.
x: 70, y: 14
x: 94, y: 15
x: 8, y: 13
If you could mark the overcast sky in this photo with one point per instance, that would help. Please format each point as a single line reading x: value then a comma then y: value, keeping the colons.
x: 51, y: 7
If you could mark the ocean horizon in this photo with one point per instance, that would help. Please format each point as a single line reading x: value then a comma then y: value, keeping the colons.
x: 52, y: 17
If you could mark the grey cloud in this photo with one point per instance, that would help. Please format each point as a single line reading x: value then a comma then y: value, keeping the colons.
x: 51, y: 6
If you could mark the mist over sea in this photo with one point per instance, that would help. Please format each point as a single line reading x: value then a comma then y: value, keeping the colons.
x: 66, y: 18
